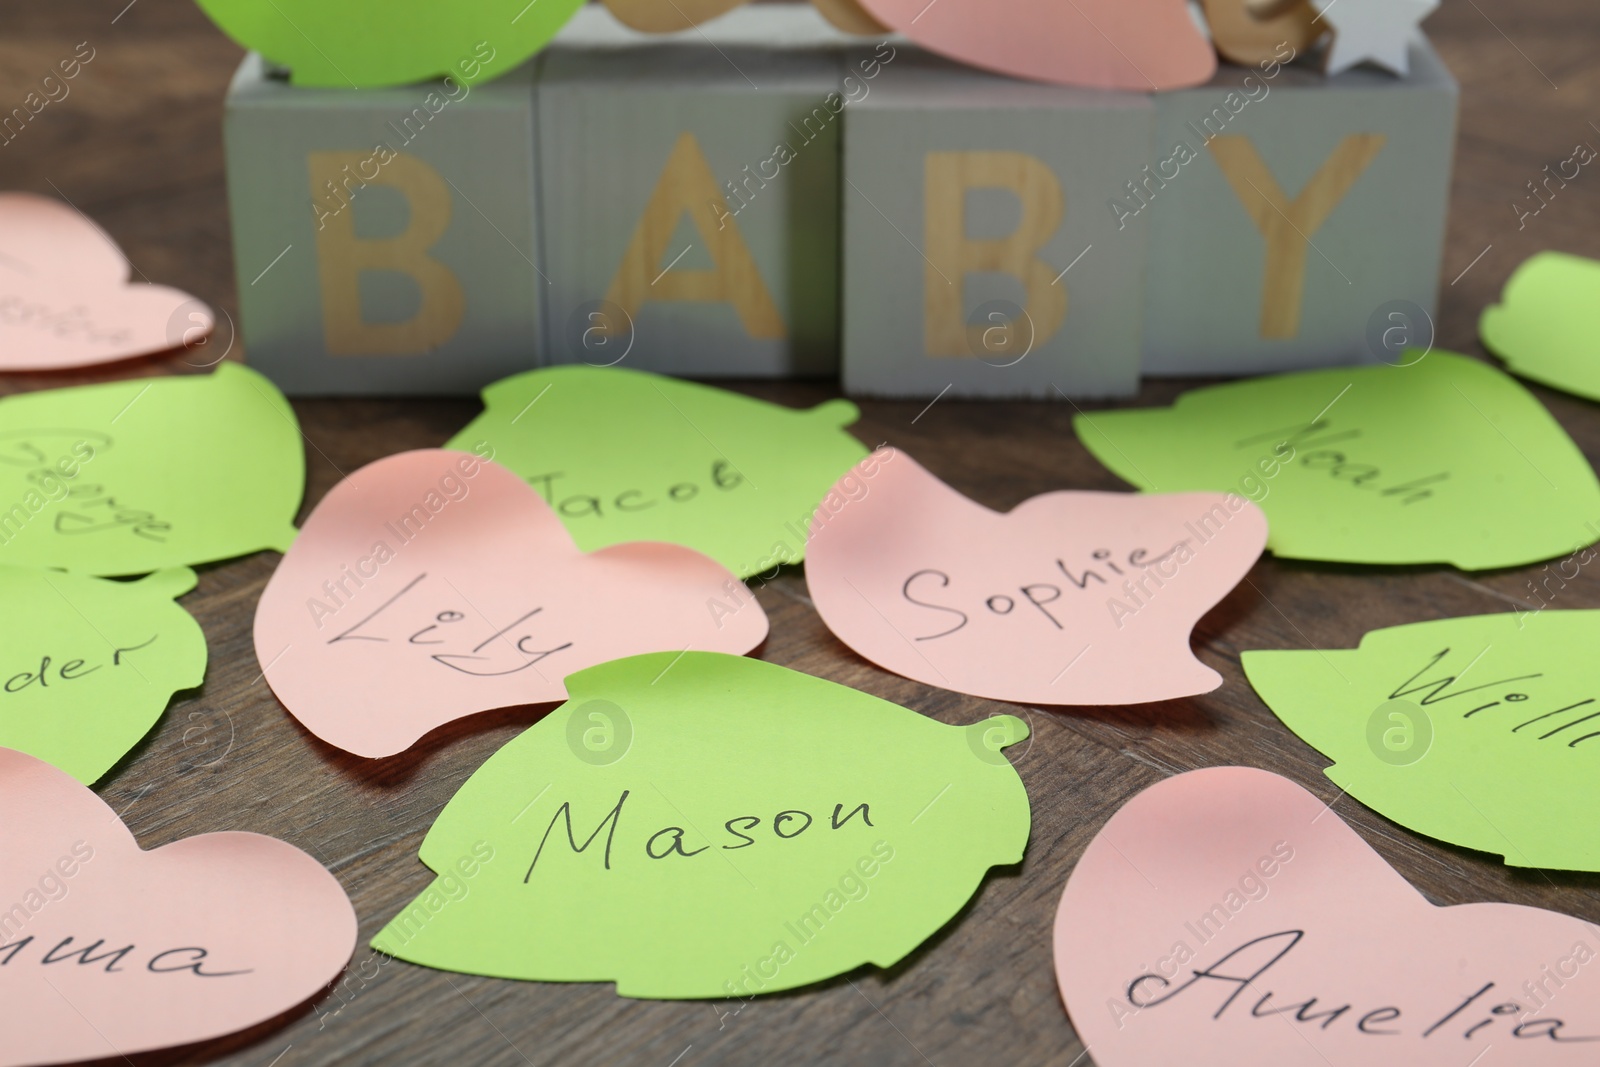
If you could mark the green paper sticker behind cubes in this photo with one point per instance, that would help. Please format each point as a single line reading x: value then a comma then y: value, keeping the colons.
x: 629, y: 456
x: 697, y: 825
x: 365, y: 44
x: 1438, y: 459
x: 1480, y: 731
x: 136, y: 476
x: 1547, y: 324
x: 87, y: 665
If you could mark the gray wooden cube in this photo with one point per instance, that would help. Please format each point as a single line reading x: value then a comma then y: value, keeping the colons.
x: 385, y: 240
x: 979, y: 258
x: 689, y: 194
x: 1294, y: 220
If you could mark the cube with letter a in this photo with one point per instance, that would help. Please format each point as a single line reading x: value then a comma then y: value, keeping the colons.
x: 978, y: 257
x: 384, y: 240
x: 689, y: 190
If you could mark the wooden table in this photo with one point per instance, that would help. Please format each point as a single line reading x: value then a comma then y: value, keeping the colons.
x: 137, y: 145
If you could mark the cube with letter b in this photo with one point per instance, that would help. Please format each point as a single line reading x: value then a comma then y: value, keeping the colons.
x: 979, y: 258
x: 385, y: 240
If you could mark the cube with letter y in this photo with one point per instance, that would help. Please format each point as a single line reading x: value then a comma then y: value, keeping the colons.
x: 385, y: 240
x: 1294, y: 220
x: 978, y: 256
x: 689, y: 193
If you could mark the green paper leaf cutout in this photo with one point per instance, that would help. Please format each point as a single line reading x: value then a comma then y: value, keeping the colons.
x: 1547, y: 324
x: 87, y: 665
x: 137, y: 476
x: 1437, y: 459
x: 364, y: 44
x: 1481, y: 731
x: 736, y: 828
x: 630, y: 456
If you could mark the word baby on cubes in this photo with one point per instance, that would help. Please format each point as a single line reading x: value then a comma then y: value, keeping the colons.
x: 769, y: 196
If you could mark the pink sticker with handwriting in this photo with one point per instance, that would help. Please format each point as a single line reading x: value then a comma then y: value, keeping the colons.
x: 107, y: 950
x: 431, y: 585
x: 1071, y: 598
x: 1227, y: 916
x: 66, y: 299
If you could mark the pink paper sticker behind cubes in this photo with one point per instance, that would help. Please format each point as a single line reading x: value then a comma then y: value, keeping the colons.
x: 1138, y: 45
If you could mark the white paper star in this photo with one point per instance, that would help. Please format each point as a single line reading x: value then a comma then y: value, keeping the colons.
x: 1379, y: 31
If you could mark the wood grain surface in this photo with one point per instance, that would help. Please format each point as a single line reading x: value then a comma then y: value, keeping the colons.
x: 137, y: 145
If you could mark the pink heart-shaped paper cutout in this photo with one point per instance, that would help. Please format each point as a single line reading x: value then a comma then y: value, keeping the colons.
x: 1139, y: 45
x: 65, y: 297
x: 1072, y: 598
x: 1216, y: 903
x: 223, y: 931
x: 432, y: 585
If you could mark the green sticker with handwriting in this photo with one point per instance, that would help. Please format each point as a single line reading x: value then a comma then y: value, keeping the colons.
x: 364, y: 44
x: 88, y: 665
x: 630, y: 456
x: 1481, y: 731
x: 1437, y: 459
x: 698, y: 825
x: 1547, y: 324
x: 137, y: 476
